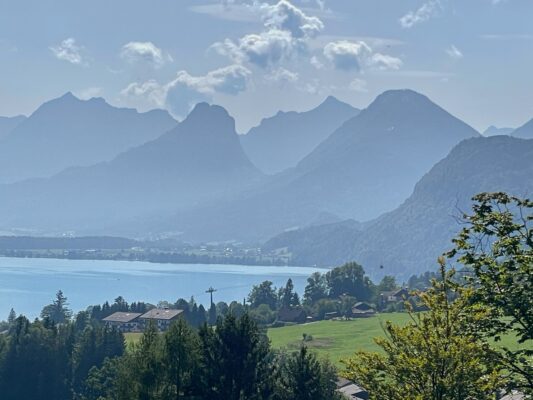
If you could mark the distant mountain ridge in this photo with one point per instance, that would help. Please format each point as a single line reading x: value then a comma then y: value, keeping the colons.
x: 525, y: 131
x: 409, y: 239
x: 368, y: 166
x: 199, y: 160
x: 281, y: 141
x: 68, y: 132
x: 7, y: 124
x: 495, y: 131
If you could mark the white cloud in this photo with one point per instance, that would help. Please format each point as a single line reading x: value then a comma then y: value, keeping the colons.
x: 426, y: 11
x: 147, y: 52
x: 185, y: 90
x: 89, y: 93
x: 263, y: 49
x: 454, y: 52
x: 354, y: 56
x: 287, y: 31
x: 346, y: 55
x: 69, y: 51
x: 282, y: 76
x: 150, y: 92
x: 315, y: 62
x: 384, y: 62
x: 358, y: 85
x: 285, y: 16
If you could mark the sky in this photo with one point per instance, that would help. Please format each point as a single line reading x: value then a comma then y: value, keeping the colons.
x: 256, y: 57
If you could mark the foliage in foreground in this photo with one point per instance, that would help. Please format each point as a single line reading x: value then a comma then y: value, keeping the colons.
x: 444, y: 353
x: 497, y: 245
x: 430, y: 358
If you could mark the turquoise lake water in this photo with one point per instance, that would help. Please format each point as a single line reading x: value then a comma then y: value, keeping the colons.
x: 27, y: 284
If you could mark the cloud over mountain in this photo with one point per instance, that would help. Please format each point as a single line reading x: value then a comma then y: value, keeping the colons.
x: 181, y: 93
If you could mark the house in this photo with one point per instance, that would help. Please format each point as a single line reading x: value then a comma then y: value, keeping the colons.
x: 350, y: 390
x: 124, y: 321
x: 295, y: 314
x: 362, y: 310
x: 331, y: 315
x: 394, y: 296
x: 514, y: 396
x: 162, y: 318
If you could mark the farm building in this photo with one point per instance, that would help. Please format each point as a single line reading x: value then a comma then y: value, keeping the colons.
x: 350, y: 390
x: 124, y: 321
x: 362, y: 309
x: 162, y: 318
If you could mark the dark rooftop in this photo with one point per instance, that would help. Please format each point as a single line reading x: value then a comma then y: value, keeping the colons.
x: 158, y: 313
x: 122, y: 317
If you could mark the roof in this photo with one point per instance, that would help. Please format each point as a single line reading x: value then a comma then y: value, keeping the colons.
x: 350, y: 390
x: 158, y: 313
x: 291, y: 314
x: 397, y: 293
x: 123, y: 317
x: 361, y: 306
x: 513, y: 396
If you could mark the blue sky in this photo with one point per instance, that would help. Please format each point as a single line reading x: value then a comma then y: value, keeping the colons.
x: 255, y: 57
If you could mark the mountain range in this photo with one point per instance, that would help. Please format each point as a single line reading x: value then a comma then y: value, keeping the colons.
x: 199, y: 160
x: 525, y: 131
x: 67, y: 132
x: 281, y: 141
x: 7, y: 124
x: 495, y: 131
x: 403, y: 167
x: 410, y: 238
x: 367, y: 167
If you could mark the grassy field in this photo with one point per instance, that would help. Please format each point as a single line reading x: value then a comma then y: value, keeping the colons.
x: 340, y: 339
x: 335, y: 339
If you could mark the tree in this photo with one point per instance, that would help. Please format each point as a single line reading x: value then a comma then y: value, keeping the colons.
x: 263, y: 294
x: 235, y: 360
x: 58, y: 311
x: 316, y: 288
x: 146, y: 367
x: 431, y: 358
x: 180, y: 359
x: 497, y: 246
x: 11, y: 317
x: 303, y: 377
x: 349, y: 279
x: 387, y: 284
x: 288, y: 298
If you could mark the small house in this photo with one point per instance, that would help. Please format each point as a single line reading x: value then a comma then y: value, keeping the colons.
x: 362, y: 310
x: 394, y: 296
x: 296, y: 315
x: 350, y: 390
x: 124, y: 321
x: 162, y: 318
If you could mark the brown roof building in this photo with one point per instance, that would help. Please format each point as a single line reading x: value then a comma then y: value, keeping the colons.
x: 163, y: 318
x: 124, y: 321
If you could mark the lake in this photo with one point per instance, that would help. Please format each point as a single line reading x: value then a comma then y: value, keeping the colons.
x: 27, y: 284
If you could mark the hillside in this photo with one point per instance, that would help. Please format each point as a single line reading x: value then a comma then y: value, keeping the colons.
x: 525, y: 131
x: 67, y: 132
x: 367, y: 167
x: 495, y: 131
x: 281, y: 141
x: 409, y: 239
x: 7, y: 124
